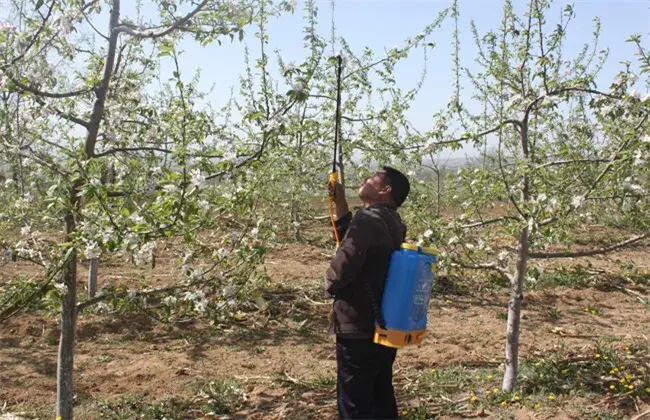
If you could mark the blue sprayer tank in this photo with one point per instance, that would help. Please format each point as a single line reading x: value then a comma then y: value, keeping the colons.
x: 406, y: 296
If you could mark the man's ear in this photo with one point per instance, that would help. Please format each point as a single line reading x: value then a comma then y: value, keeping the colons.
x: 387, y: 190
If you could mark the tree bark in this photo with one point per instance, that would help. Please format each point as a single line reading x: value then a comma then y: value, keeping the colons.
x: 514, y: 313
x: 92, y: 277
x: 64, y: 387
x: 517, y: 282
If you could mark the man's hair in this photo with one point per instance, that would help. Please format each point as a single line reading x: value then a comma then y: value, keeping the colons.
x: 400, y: 185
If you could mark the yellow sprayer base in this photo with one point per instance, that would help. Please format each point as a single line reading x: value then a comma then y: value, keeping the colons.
x: 397, y: 339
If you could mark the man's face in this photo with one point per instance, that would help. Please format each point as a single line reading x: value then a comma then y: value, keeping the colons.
x: 374, y: 188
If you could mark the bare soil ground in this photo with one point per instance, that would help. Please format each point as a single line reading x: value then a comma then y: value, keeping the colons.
x: 284, y: 362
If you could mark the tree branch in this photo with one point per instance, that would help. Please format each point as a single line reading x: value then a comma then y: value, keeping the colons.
x: 38, y: 92
x: 589, y: 253
x: 130, y: 149
x: 515, y: 123
x: 488, y: 222
x: 34, y: 38
x: 570, y: 162
x: 152, y: 34
x: 560, y: 91
x: 98, y: 107
x: 485, y: 266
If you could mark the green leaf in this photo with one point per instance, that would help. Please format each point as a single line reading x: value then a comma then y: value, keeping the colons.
x: 38, y: 4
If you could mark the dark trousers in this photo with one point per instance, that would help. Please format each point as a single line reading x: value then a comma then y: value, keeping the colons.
x: 364, y: 387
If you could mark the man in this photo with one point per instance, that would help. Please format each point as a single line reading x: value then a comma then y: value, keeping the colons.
x: 355, y: 279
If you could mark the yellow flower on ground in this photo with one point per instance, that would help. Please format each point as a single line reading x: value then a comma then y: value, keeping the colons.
x: 487, y: 392
x: 536, y: 406
x: 551, y: 397
x: 630, y: 387
x: 504, y: 403
x: 405, y: 412
x: 612, y: 387
x: 433, y: 371
x: 495, y: 390
x: 597, y: 355
x: 606, y: 358
x: 490, y: 377
x: 647, y: 390
x: 516, y: 398
x: 565, y: 371
x: 538, y: 364
x: 613, y: 371
x: 628, y: 377
x: 474, y: 398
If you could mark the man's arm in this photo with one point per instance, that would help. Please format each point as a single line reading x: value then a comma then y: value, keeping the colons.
x: 342, y: 209
x: 351, y: 255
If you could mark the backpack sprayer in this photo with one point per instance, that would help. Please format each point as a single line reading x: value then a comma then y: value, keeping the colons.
x: 402, y: 318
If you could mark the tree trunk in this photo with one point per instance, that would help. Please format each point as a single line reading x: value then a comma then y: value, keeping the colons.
x: 514, y: 314
x: 92, y: 277
x: 68, y: 320
x: 517, y: 282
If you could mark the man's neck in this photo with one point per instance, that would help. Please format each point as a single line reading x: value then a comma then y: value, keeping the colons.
x: 367, y: 204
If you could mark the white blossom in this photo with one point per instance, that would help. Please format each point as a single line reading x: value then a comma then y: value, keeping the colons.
x: 453, y: 240
x: 230, y: 155
x: 145, y: 254
x: 222, y: 253
x: 7, y: 27
x: 61, y: 287
x: 198, y: 179
x: 137, y: 219
x: 639, y: 159
x: 170, y: 188
x: 255, y: 232
x: 428, y: 233
x: 203, y: 205
x: 92, y: 250
x: 298, y: 86
x: 169, y: 300
x: 578, y: 201
x: 102, y: 307
x: 503, y: 255
x: 25, y: 230
x: 635, y: 94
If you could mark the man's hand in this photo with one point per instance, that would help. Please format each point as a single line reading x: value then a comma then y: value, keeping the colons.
x: 337, y: 192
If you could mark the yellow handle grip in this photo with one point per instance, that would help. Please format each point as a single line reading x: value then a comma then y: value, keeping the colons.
x: 334, y: 178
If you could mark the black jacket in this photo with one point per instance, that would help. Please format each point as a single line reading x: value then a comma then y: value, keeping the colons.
x: 357, y: 273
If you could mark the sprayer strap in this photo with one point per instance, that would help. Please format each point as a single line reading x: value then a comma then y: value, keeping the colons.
x: 376, y: 308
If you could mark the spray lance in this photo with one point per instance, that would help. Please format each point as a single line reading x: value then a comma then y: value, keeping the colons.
x: 334, y: 175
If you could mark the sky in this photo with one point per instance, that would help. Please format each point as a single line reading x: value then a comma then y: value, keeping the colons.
x: 383, y: 24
